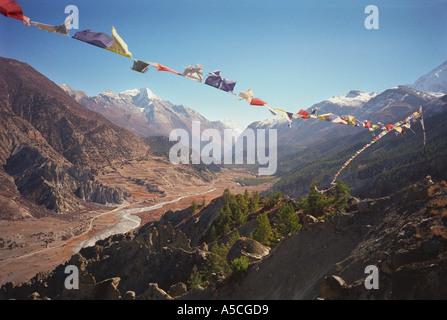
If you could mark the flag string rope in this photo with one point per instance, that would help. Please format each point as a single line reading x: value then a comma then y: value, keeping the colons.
x: 403, y: 124
x: 117, y: 45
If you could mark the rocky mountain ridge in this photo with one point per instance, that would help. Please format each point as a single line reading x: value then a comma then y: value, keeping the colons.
x: 434, y: 81
x: 142, y: 112
x: 387, y: 107
x: 403, y: 234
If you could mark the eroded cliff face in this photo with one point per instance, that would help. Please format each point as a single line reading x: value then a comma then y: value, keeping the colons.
x: 49, y: 144
x: 404, y: 235
x: 54, y: 184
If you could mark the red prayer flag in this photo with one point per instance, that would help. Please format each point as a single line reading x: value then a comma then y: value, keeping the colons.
x: 11, y: 9
x: 389, y: 127
x: 163, y: 68
x: 257, y: 102
x: 304, y: 114
x: 367, y: 124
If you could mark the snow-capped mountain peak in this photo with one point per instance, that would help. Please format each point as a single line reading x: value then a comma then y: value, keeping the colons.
x: 141, y: 111
x: 433, y: 81
x: 354, y: 98
x: 141, y: 98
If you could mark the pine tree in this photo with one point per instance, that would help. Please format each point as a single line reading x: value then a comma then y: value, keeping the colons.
x: 247, y: 196
x: 254, y: 202
x: 238, y: 218
x: 242, y: 203
x: 287, y: 221
x: 194, y: 207
x: 315, y: 203
x: 263, y: 232
x: 212, y: 234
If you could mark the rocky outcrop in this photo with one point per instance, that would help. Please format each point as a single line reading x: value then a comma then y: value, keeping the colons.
x: 153, y: 292
x: 107, y: 290
x: 194, y: 226
x: 177, y: 290
x: 408, y: 247
x: 148, y: 262
x: 246, y: 247
x: 404, y: 235
x: 54, y: 184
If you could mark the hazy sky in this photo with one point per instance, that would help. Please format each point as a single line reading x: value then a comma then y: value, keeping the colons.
x: 291, y: 53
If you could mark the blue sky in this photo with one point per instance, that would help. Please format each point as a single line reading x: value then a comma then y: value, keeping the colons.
x: 292, y: 53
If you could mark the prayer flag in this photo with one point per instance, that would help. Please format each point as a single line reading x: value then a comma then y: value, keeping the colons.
x: 214, y: 79
x: 194, y: 73
x: 161, y: 67
x: 13, y: 10
x: 257, y: 102
x: 62, y: 29
x: 119, y: 46
x: 228, y: 85
x: 246, y: 95
x: 98, y: 39
x: 140, y: 66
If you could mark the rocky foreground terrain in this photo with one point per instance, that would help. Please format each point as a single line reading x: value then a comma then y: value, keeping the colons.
x: 404, y: 235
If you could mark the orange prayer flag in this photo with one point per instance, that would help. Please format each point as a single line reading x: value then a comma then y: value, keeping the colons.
x: 257, y: 102
x: 161, y: 67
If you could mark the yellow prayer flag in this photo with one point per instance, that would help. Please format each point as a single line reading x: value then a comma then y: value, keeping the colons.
x: 351, y: 120
x: 324, y: 116
x: 119, y: 46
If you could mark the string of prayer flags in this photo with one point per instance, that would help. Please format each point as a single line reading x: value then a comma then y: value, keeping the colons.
x: 397, y: 126
x: 116, y: 44
x: 13, y: 10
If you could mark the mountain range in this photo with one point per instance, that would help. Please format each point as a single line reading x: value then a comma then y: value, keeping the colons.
x: 140, y: 108
x: 52, y: 148
x: 387, y: 166
x: 56, y: 143
x: 142, y: 112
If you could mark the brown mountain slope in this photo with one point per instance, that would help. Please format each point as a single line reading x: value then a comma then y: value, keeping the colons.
x: 403, y: 234
x: 49, y: 145
x: 83, y: 137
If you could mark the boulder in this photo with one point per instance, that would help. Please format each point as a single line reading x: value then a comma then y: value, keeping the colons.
x: 334, y: 288
x: 249, y: 248
x: 153, y: 292
x: 34, y: 296
x: 107, y: 290
x: 129, y: 295
x: 178, y: 289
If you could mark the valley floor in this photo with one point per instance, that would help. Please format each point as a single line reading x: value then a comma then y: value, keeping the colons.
x: 34, y: 245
